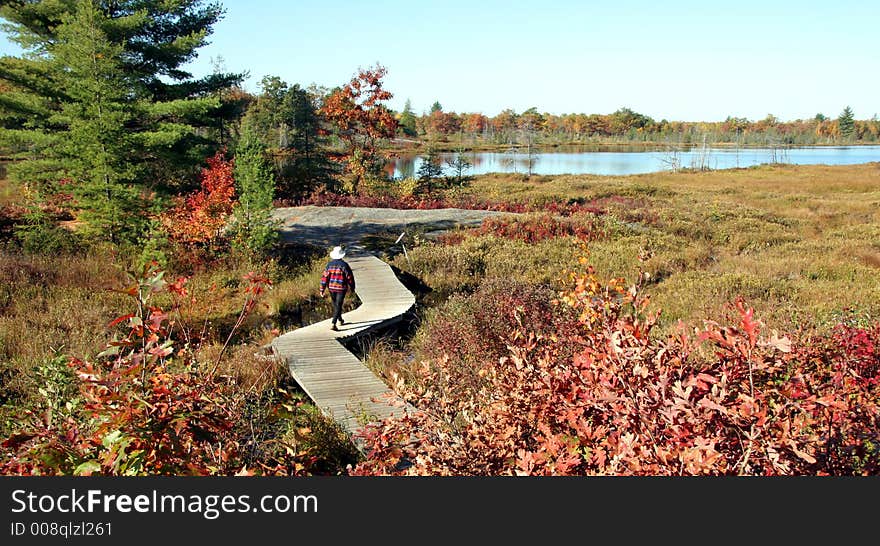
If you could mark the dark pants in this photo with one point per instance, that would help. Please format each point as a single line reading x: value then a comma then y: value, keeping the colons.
x: 338, y: 298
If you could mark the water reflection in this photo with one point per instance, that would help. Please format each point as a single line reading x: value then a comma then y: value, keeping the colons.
x: 640, y: 160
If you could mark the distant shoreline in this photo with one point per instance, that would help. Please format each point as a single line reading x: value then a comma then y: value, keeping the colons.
x: 424, y: 146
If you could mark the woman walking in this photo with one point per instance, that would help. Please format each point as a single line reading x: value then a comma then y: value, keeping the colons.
x: 338, y: 279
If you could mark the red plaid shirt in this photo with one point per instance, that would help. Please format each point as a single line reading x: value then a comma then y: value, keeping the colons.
x: 337, y: 277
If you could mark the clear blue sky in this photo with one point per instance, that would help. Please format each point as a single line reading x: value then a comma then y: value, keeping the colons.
x: 678, y: 60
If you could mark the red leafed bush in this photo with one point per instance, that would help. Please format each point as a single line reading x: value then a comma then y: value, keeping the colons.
x: 198, y: 219
x: 145, y: 406
x: 595, y: 394
x: 481, y: 323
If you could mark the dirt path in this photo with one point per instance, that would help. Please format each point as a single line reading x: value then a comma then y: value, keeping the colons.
x: 347, y: 226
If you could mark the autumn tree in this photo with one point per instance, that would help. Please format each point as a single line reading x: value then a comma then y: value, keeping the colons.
x: 443, y: 123
x: 361, y: 120
x: 474, y: 123
x: 625, y: 121
x: 504, y: 125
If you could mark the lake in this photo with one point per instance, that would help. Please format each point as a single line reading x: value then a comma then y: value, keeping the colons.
x: 639, y: 161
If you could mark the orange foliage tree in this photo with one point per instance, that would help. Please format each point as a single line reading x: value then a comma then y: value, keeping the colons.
x: 361, y: 121
x: 443, y: 123
x: 474, y: 123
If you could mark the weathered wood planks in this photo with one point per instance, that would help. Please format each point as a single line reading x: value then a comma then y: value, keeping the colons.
x: 335, y: 379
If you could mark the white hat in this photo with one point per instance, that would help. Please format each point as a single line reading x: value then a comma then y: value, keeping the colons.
x: 337, y: 253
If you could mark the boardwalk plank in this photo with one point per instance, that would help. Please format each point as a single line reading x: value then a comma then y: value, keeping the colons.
x: 336, y: 380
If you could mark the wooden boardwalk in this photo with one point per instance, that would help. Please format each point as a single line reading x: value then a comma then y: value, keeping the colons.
x: 335, y: 379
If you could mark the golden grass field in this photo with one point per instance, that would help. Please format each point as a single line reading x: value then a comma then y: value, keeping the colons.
x: 800, y: 243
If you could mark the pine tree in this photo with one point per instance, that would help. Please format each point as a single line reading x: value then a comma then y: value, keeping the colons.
x: 429, y: 170
x: 846, y: 123
x: 310, y: 166
x: 285, y: 119
x: 96, y: 148
x: 408, y: 120
x: 67, y: 115
x: 253, y: 229
x: 459, y: 164
x: 165, y: 121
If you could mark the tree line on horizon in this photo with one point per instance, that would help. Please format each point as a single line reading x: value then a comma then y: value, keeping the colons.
x: 626, y: 124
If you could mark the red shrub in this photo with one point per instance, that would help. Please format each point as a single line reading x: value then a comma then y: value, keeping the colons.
x: 147, y: 407
x: 599, y: 396
x: 198, y: 219
x: 476, y: 328
x: 533, y: 229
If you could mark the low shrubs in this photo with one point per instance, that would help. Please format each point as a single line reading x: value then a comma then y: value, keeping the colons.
x: 586, y: 390
x: 324, y: 198
x: 533, y: 228
x: 154, y: 403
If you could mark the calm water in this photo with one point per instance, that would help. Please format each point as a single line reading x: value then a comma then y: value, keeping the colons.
x: 643, y: 161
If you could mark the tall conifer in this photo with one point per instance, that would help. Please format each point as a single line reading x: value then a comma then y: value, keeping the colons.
x: 99, y: 99
x: 846, y: 123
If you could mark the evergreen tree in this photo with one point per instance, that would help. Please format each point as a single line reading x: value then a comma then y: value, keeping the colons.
x: 429, y: 170
x: 67, y: 115
x: 436, y: 107
x: 95, y: 150
x: 310, y: 166
x: 846, y: 123
x: 286, y: 121
x: 253, y: 228
x: 172, y: 119
x: 459, y: 164
x: 408, y: 120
